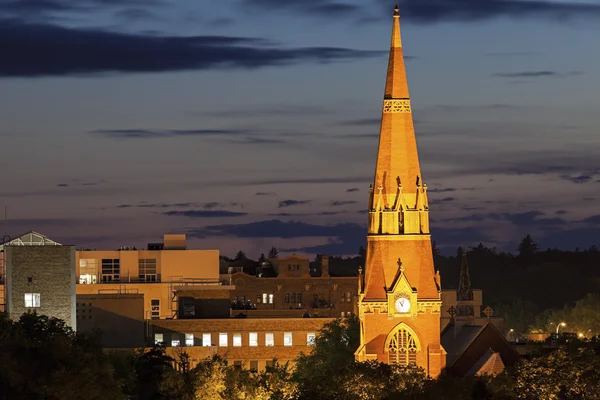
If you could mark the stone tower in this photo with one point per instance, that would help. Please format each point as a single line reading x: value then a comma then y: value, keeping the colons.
x: 399, y: 298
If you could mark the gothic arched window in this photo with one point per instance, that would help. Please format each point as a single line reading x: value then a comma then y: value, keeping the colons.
x: 402, y: 348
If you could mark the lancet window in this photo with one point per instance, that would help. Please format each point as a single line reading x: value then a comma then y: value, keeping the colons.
x: 402, y: 348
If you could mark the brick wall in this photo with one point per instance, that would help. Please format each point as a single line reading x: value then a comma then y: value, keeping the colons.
x: 47, y: 270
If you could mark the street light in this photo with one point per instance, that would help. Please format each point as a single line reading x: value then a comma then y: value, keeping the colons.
x: 559, y: 325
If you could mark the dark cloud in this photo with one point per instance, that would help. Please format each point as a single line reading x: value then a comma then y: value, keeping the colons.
x: 441, y: 190
x: 272, y: 110
x: 350, y: 190
x: 204, y: 213
x: 290, y: 203
x: 63, y: 185
x: 321, y: 8
x: 435, y: 11
x: 583, y: 178
x: 137, y: 14
x: 342, y: 239
x: 443, y: 200
x: 352, y: 179
x: 30, y: 50
x: 157, y: 205
x: 361, y: 122
x: 528, y: 218
x: 265, y: 194
x: 561, y: 212
x: 595, y: 219
x: 157, y: 133
x: 323, y: 213
x: 343, y: 203
x: 431, y: 11
x: 76, y: 183
x: 535, y: 74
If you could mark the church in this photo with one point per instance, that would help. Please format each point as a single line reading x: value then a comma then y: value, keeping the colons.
x: 399, y: 295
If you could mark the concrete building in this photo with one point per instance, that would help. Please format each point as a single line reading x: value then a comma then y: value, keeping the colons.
x: 399, y: 297
x: 157, y: 273
x: 42, y: 279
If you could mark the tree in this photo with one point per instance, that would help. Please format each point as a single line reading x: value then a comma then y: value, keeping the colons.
x: 527, y: 248
x: 43, y: 358
x: 261, y: 259
x: 240, y: 255
x: 152, y: 367
x: 273, y: 253
x: 558, y: 375
x: 332, y: 352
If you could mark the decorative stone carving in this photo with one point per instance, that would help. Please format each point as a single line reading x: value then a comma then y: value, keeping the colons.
x: 396, y: 106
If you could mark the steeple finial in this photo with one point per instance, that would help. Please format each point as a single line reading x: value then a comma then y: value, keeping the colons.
x: 396, y: 40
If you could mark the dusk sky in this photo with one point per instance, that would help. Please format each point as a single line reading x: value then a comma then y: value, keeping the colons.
x: 248, y: 124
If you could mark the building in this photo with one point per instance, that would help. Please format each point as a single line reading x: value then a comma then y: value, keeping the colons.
x: 158, y: 273
x: 287, y: 287
x: 476, y: 350
x: 250, y: 343
x: 465, y: 305
x: 399, y: 298
x: 38, y: 276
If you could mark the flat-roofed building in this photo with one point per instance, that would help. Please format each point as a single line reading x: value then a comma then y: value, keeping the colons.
x: 286, y: 287
x: 247, y: 343
x: 40, y: 279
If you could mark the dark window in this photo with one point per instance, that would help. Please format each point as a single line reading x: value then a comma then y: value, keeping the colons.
x: 254, y: 366
x: 111, y: 269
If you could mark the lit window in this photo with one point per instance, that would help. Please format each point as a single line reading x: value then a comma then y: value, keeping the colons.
x: 189, y: 339
x: 155, y: 307
x: 32, y: 300
x: 175, y: 343
x: 158, y: 338
x: 253, y: 339
x: 271, y: 298
x: 223, y: 339
x: 237, y: 340
x: 264, y: 299
x: 206, y: 340
x: 310, y: 339
x: 287, y: 339
x: 269, y: 340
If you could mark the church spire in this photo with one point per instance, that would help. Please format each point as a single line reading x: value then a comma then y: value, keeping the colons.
x: 398, y: 182
x: 465, y: 293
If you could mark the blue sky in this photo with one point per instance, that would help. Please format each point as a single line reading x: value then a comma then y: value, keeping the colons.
x: 253, y: 123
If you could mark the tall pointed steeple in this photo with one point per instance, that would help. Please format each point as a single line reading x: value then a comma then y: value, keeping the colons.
x: 464, y: 295
x: 399, y: 302
x: 398, y: 183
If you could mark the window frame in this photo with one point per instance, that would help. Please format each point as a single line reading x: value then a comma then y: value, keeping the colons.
x: 269, y: 339
x: 252, y: 339
x: 33, y: 299
x: 288, y: 339
x: 221, y: 341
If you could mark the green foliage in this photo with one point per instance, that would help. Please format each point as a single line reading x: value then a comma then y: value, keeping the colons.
x: 42, y: 358
x: 558, y: 375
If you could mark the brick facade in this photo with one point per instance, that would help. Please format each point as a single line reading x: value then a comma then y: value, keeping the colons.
x: 45, y: 270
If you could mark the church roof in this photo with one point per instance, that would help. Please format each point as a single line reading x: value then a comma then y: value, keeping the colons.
x: 456, y: 340
x: 490, y: 363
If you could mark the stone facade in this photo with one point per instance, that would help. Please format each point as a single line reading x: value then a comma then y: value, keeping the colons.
x: 46, y: 273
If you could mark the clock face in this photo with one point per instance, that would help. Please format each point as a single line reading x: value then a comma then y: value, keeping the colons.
x: 402, y: 305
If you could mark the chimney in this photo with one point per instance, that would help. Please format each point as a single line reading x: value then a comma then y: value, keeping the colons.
x: 324, y: 266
